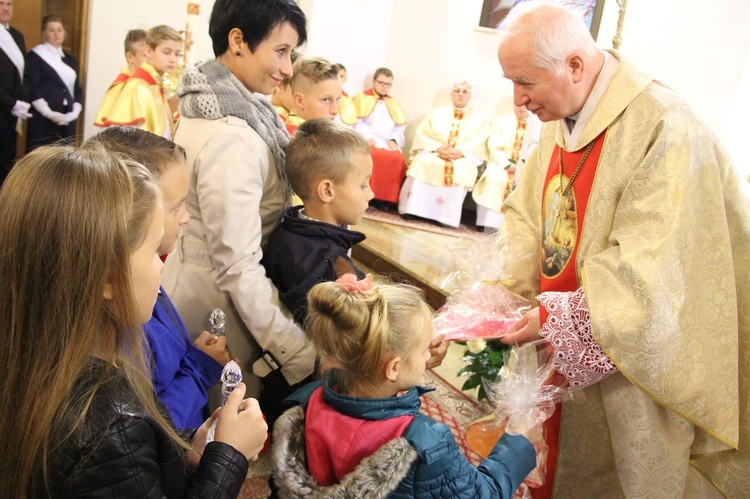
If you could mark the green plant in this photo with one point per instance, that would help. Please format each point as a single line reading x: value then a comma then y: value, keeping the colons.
x: 484, y: 364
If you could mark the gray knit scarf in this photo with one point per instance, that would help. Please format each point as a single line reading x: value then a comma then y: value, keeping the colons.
x: 210, y: 91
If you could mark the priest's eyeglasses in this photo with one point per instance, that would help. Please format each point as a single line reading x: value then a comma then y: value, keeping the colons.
x: 461, y: 91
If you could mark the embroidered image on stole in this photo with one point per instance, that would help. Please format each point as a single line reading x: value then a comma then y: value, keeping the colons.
x: 560, y: 226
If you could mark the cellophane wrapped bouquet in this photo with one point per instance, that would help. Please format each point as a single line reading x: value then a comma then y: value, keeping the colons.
x: 522, y: 398
x: 480, y: 305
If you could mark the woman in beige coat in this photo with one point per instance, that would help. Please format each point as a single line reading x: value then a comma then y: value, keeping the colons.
x: 235, y: 145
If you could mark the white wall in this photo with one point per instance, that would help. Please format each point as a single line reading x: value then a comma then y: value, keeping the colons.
x: 352, y: 32
x: 697, y: 48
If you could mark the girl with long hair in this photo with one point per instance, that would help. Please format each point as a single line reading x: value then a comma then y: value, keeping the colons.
x: 79, y: 274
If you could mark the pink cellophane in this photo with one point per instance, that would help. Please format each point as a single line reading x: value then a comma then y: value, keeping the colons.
x: 485, y: 310
x: 480, y: 306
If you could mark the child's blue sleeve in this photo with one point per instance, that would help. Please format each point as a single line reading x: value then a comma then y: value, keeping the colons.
x: 181, y: 373
x: 443, y: 471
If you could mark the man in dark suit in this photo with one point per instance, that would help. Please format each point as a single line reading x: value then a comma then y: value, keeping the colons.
x: 12, y: 94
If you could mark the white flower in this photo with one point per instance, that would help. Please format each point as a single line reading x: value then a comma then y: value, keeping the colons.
x: 476, y: 346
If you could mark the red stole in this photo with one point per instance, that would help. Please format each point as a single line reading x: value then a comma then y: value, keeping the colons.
x: 515, y: 155
x: 458, y: 115
x: 562, y: 223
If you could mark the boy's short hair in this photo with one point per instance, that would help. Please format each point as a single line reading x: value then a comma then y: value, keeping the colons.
x: 162, y: 33
x: 133, y: 38
x: 308, y: 70
x: 255, y: 19
x: 153, y: 151
x: 382, y: 71
x: 321, y: 149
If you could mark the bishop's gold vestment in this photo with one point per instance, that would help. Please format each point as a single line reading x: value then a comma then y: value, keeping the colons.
x: 664, y: 260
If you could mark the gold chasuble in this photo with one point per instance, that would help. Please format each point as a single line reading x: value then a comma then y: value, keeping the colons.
x: 661, y: 246
x: 462, y: 129
x: 364, y: 104
x: 113, y: 92
x: 141, y: 103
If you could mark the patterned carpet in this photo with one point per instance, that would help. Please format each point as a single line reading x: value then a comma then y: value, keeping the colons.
x: 390, y: 217
x: 447, y: 404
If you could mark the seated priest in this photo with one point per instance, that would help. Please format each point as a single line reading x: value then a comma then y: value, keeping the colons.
x: 512, y: 138
x: 448, y: 148
x: 382, y: 122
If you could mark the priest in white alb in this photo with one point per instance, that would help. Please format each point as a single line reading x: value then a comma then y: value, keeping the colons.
x: 449, y: 146
x: 512, y: 138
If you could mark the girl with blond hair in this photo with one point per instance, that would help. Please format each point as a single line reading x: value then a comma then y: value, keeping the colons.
x: 358, y: 432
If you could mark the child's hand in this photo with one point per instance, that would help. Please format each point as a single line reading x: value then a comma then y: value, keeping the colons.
x: 530, y: 427
x: 216, y: 347
x: 241, y: 424
x: 438, y: 350
x: 535, y: 434
x: 199, y: 441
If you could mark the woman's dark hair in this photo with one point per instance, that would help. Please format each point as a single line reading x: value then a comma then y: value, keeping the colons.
x: 50, y: 18
x: 255, y: 18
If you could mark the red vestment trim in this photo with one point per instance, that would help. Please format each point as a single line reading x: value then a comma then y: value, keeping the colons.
x: 567, y: 278
x: 121, y: 78
x: 144, y: 75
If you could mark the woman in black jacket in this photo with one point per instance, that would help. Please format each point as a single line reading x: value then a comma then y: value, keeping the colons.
x: 79, y: 274
x: 56, y: 94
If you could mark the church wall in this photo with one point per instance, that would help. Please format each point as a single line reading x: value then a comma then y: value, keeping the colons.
x: 698, y: 48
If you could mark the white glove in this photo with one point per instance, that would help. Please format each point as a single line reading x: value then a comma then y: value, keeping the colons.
x: 58, y: 118
x: 73, y: 115
x: 43, y: 108
x: 21, y: 110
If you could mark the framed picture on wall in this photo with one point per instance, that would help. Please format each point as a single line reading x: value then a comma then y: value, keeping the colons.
x: 494, y: 11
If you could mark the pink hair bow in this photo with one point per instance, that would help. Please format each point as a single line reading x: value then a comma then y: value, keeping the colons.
x: 352, y: 285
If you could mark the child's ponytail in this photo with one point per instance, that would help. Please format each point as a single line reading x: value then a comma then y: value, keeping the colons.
x: 357, y: 325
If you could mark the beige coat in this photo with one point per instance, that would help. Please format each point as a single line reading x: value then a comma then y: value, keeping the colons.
x: 235, y: 200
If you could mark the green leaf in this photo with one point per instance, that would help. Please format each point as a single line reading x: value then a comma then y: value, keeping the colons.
x: 472, y: 382
x: 481, y: 394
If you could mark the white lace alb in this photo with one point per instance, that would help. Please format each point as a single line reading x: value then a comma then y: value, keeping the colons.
x: 568, y: 329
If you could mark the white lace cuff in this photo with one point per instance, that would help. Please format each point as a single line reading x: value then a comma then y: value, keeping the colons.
x: 568, y: 329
